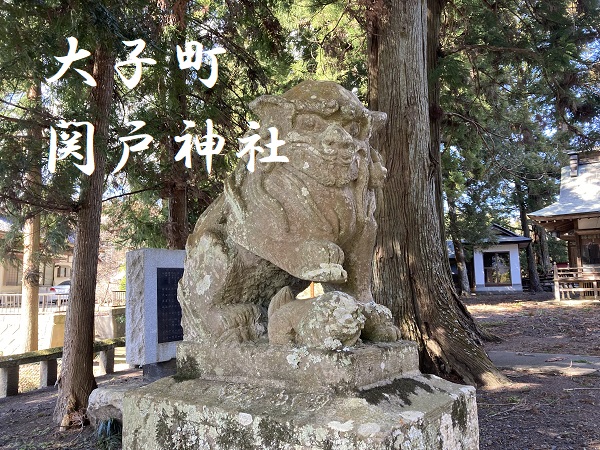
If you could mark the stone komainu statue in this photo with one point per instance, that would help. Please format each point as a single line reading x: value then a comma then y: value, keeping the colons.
x: 276, y: 229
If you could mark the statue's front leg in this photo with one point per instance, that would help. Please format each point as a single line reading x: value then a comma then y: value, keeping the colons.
x: 303, y: 257
x: 379, y: 324
x: 358, y: 263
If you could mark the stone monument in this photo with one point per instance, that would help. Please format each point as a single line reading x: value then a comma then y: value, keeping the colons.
x: 260, y: 368
x: 153, y: 314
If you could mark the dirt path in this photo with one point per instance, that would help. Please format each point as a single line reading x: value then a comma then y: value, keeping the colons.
x: 537, y: 323
x: 26, y: 420
x: 539, y: 411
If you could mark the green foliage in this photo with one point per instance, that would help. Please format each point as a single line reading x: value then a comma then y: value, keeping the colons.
x: 328, y: 42
x: 32, y: 34
x: 11, y: 244
x: 122, y: 281
x: 136, y: 222
x: 514, y: 76
x: 109, y: 434
x: 558, y: 250
x: 256, y: 55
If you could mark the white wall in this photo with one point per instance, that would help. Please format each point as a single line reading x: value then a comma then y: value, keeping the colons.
x: 108, y: 324
x: 515, y: 268
x: 51, y: 331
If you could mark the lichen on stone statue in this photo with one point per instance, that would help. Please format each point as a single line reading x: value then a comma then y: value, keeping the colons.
x: 331, y: 321
x: 275, y: 230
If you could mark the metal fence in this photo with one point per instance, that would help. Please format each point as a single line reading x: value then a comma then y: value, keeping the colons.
x: 48, y: 303
x: 51, y: 302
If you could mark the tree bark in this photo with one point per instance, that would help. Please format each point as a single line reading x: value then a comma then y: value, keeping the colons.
x: 459, y: 251
x: 434, y: 21
x: 31, y: 284
x: 31, y: 234
x: 77, y: 378
x: 534, y: 278
x: 372, y: 60
x: 461, y: 264
x: 411, y: 269
x: 544, y: 250
x: 177, y: 228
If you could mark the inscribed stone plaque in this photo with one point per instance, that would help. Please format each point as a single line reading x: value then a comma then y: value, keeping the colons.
x: 168, y: 308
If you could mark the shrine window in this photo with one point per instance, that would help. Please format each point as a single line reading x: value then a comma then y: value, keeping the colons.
x: 496, y: 266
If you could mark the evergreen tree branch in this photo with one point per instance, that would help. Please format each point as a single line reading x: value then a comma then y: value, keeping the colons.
x: 39, y: 203
x: 494, y: 49
x: 157, y: 187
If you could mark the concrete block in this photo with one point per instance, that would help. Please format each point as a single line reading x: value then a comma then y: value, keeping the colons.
x: 48, y: 372
x: 9, y: 381
x: 107, y: 360
x: 153, y: 372
x: 57, y: 338
x: 109, y: 323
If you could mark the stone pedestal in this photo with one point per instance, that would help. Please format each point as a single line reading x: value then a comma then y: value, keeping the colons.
x: 257, y: 396
x: 106, y: 402
x: 306, y: 370
x: 9, y: 381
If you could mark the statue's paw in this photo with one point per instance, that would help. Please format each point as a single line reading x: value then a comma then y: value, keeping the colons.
x: 381, y: 333
x: 319, y: 250
x: 327, y: 272
x: 379, y: 324
x: 230, y: 337
x: 334, y: 321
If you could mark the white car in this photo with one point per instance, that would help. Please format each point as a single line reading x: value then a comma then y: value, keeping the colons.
x: 61, y: 290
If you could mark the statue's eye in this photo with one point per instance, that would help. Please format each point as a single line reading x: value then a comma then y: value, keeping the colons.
x: 353, y: 129
x: 309, y: 122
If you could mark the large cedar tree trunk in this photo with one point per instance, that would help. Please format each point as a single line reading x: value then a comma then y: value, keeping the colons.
x: 177, y: 229
x: 77, y: 378
x: 411, y: 269
x: 434, y: 20
x: 31, y: 232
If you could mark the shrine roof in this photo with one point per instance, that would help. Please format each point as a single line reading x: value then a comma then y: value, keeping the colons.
x: 579, y: 195
x: 501, y: 236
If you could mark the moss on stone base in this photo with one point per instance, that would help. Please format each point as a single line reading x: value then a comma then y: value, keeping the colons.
x: 187, y: 369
